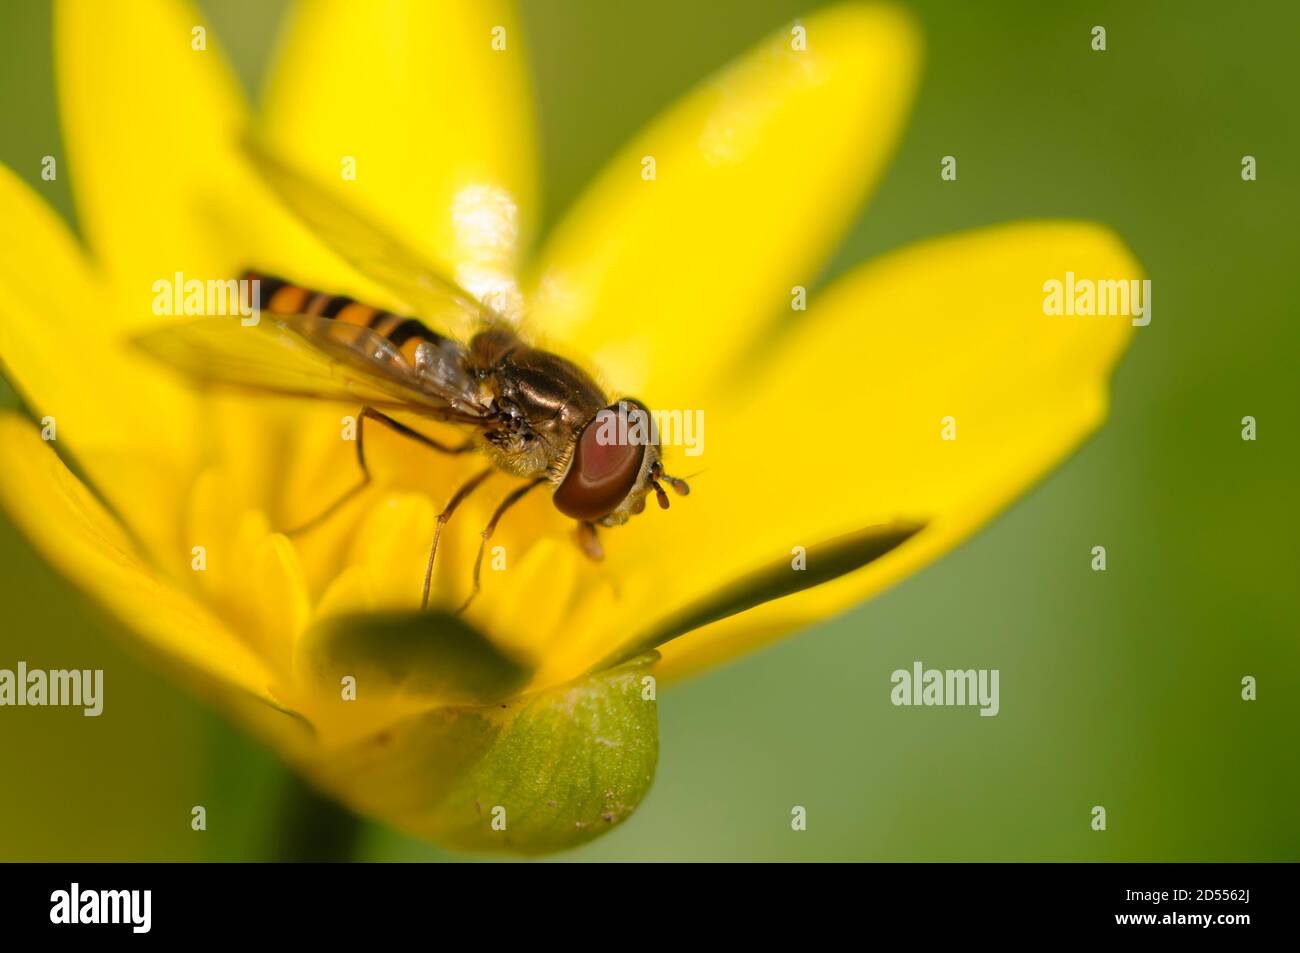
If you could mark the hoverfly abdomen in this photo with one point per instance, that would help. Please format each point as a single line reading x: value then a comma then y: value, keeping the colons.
x: 279, y: 296
x: 282, y: 297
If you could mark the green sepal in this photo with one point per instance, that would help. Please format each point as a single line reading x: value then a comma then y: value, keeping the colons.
x: 552, y: 769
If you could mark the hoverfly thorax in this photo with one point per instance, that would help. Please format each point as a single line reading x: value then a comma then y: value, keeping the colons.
x: 540, y: 401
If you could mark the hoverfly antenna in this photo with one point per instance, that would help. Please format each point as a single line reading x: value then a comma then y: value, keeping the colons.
x: 680, y: 486
x: 660, y: 495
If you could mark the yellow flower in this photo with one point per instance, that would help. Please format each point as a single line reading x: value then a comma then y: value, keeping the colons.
x: 825, y: 477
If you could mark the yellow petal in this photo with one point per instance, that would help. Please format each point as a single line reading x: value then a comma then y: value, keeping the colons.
x: 149, y: 123
x: 44, y: 287
x: 845, y: 429
x: 393, y: 545
x: 153, y: 128
x: 529, y: 600
x: 282, y: 600
x: 663, y: 283
x: 436, y: 121
x: 152, y: 124
x: 126, y: 426
x: 78, y: 537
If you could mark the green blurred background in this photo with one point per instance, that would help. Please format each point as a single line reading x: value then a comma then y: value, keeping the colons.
x: 1119, y: 688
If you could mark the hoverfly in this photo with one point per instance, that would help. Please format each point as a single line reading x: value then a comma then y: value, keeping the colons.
x: 533, y: 413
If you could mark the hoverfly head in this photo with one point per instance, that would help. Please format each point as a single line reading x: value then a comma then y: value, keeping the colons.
x: 614, y: 466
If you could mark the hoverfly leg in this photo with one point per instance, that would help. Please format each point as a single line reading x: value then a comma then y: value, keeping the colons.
x: 338, y: 504
x: 405, y: 431
x: 457, y: 498
x: 589, y: 542
x: 369, y: 413
x: 330, y: 510
x: 515, y: 496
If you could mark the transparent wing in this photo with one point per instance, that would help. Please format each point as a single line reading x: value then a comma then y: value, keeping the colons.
x: 306, y: 356
x: 439, y: 374
x: 371, y: 248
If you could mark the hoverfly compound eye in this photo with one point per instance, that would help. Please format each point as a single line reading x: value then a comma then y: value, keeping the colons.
x: 606, y: 462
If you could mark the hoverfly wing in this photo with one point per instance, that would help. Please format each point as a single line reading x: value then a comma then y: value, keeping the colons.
x: 435, y: 367
x: 308, y: 356
x: 371, y: 248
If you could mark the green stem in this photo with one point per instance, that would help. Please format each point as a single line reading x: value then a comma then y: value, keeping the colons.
x: 313, y: 828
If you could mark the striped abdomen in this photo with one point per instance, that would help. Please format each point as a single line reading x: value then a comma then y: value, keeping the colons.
x: 279, y: 296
